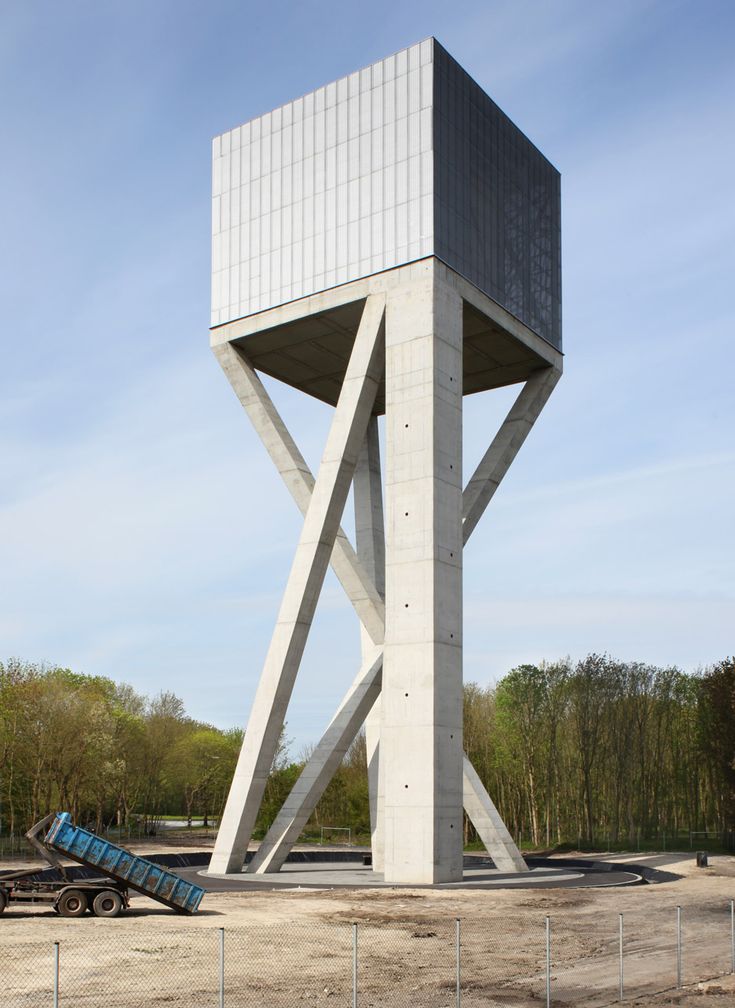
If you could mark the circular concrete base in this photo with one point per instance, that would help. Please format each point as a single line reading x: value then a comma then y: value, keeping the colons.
x: 336, y: 874
x: 339, y: 875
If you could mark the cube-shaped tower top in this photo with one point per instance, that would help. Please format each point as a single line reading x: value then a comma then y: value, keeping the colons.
x: 405, y: 159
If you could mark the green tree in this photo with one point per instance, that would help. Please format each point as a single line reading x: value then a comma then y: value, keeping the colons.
x: 717, y: 720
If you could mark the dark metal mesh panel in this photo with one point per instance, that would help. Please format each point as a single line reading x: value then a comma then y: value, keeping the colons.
x: 497, y: 202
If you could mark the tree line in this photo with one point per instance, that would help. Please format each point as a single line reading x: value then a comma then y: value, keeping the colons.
x: 570, y: 752
x: 103, y: 752
x: 606, y: 750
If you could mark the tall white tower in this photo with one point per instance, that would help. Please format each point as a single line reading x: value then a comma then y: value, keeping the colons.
x: 388, y: 244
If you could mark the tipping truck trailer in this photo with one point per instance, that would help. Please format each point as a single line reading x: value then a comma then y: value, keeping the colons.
x: 105, y: 896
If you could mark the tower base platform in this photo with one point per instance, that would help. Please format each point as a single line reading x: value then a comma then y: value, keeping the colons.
x: 330, y: 869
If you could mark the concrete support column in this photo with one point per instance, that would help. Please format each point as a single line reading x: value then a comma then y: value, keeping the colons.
x: 421, y: 731
x: 370, y: 534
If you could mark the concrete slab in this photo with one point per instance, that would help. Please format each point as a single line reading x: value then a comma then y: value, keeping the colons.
x: 353, y: 875
x: 338, y: 875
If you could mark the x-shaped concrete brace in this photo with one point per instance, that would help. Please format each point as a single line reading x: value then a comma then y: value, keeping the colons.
x: 358, y: 585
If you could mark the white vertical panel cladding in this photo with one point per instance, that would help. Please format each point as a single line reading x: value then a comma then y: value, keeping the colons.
x: 422, y: 678
x: 326, y: 189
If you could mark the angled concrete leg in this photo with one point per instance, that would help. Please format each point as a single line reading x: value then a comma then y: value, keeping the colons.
x: 505, y: 446
x: 364, y: 692
x: 370, y: 535
x: 490, y: 827
x: 376, y: 785
x: 304, y: 584
x: 477, y: 495
x: 299, y: 480
x: 322, y: 766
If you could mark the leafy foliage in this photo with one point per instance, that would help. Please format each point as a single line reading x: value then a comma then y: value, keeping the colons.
x: 103, y: 752
x: 597, y: 748
x: 606, y: 749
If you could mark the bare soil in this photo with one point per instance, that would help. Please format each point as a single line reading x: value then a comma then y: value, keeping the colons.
x: 295, y: 946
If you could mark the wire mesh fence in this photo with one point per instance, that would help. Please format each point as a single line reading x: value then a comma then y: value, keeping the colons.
x: 402, y: 963
x: 584, y: 965
x: 524, y: 959
x: 281, y: 964
x: 707, y: 942
x: 505, y: 962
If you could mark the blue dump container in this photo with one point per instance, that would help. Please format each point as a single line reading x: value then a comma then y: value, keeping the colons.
x: 150, y: 879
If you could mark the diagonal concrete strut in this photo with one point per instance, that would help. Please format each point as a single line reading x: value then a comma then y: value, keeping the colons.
x: 309, y: 567
x: 322, y: 766
x: 506, y: 444
x: 487, y: 821
x: 299, y: 480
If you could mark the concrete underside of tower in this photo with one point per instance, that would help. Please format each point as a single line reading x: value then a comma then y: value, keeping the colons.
x: 307, y: 343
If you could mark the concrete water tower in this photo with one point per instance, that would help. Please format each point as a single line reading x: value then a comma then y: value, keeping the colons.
x: 388, y: 244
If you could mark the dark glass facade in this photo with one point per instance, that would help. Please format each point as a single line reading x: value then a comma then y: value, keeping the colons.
x: 497, y: 214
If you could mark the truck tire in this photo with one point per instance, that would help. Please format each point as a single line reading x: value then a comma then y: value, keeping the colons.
x: 72, y: 903
x: 107, y: 903
x: 3, y: 900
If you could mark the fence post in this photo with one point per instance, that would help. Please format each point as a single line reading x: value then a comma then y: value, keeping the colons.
x: 732, y: 936
x: 221, y: 967
x: 678, y: 946
x: 548, y: 962
x: 458, y: 956
x: 56, y: 975
x: 354, y: 966
x: 620, y: 943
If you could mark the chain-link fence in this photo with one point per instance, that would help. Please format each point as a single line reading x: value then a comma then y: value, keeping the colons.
x: 523, y: 959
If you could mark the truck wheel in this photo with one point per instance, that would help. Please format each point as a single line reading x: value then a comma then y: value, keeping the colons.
x: 107, y: 903
x: 3, y: 900
x: 72, y: 903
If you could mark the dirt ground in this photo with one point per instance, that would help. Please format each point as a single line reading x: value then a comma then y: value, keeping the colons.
x: 296, y: 946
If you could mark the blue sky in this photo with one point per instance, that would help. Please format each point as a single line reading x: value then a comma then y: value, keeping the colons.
x: 143, y: 532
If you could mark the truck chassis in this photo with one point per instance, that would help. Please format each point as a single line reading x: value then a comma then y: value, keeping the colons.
x: 105, y: 895
x: 102, y: 897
